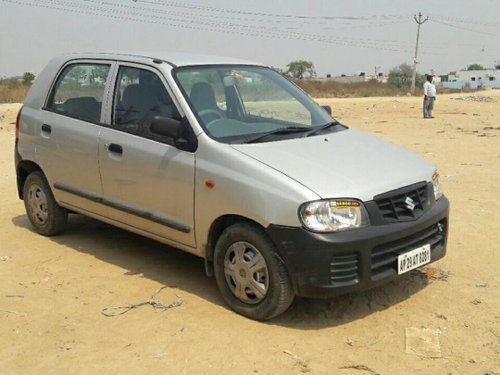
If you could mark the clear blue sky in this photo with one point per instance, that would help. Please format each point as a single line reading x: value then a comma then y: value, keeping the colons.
x: 338, y: 36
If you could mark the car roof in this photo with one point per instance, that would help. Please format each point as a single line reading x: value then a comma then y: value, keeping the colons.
x: 173, y: 58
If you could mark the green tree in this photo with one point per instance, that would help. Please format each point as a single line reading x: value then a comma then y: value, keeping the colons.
x: 76, y: 72
x: 475, y: 67
x: 28, y: 78
x: 400, y: 76
x: 100, y: 71
x: 284, y: 73
x: 301, y: 69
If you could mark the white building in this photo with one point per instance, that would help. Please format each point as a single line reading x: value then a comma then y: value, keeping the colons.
x: 362, y: 77
x: 473, y: 79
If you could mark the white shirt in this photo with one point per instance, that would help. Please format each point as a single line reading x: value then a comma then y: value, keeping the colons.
x: 429, y: 89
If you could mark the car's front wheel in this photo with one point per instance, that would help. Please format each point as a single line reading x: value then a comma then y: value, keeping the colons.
x: 250, y: 275
x: 44, y: 213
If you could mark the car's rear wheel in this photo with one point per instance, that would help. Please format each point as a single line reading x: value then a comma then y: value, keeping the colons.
x: 46, y: 216
x: 250, y: 275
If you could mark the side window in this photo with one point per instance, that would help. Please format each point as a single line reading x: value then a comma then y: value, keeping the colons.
x: 79, y: 91
x: 140, y: 96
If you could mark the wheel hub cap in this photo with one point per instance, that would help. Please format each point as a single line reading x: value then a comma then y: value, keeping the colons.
x: 37, y: 203
x: 246, y: 272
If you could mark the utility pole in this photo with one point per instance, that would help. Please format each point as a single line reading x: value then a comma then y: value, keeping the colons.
x: 419, y: 22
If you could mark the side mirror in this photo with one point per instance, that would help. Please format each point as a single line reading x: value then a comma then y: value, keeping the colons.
x: 327, y: 108
x: 180, y: 131
x: 165, y: 126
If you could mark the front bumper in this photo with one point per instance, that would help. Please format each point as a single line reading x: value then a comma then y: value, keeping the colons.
x: 323, y: 265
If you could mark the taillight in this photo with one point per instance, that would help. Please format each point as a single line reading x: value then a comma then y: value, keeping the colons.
x: 18, y: 119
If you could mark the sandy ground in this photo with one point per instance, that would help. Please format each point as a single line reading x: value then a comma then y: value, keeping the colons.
x: 52, y: 290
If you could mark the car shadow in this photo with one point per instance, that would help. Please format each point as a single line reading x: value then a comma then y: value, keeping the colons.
x: 172, y: 267
x: 135, y: 254
x: 312, y: 314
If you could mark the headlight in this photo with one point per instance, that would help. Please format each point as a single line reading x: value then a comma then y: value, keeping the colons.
x: 333, y: 215
x: 436, y: 184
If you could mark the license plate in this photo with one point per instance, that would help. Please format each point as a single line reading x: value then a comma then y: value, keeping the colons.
x: 414, y: 258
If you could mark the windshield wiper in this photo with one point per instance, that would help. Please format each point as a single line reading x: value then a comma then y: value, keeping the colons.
x: 321, y: 128
x: 287, y: 130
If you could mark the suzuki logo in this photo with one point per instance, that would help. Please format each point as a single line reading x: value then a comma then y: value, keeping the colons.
x: 410, y: 203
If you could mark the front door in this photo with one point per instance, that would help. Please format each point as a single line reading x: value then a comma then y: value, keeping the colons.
x: 148, y: 183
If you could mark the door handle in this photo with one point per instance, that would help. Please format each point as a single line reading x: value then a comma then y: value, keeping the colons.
x: 113, y: 147
x: 46, y: 128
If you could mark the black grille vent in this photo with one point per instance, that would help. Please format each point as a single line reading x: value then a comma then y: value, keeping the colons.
x: 344, y: 270
x: 403, y: 204
x: 384, y: 257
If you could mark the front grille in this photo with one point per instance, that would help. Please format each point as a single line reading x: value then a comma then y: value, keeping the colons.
x: 403, y: 204
x: 385, y: 257
x: 344, y: 270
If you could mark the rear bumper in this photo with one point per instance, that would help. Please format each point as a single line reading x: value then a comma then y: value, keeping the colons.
x: 326, y: 265
x: 17, y: 161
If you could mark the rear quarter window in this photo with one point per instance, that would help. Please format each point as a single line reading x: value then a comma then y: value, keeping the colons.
x: 79, y: 91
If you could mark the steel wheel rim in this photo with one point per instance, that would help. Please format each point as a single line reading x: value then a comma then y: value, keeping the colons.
x: 37, y: 203
x: 246, y: 272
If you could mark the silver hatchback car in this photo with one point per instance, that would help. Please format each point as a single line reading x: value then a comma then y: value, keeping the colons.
x: 229, y: 161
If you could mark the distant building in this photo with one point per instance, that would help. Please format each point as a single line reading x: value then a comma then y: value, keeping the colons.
x: 472, y: 79
x: 361, y: 77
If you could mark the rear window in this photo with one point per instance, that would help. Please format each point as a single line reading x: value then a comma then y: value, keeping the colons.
x: 79, y: 91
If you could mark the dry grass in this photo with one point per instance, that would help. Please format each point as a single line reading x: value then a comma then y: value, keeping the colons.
x: 331, y: 89
x: 12, y: 91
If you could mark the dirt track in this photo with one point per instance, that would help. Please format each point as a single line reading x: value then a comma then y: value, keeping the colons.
x: 53, y: 289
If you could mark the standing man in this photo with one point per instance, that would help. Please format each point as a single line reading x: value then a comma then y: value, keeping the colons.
x: 429, y: 97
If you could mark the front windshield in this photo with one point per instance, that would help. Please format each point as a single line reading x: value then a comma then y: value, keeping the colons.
x: 236, y: 104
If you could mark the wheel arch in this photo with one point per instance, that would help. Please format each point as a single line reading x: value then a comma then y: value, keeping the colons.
x: 218, y: 226
x: 24, y: 168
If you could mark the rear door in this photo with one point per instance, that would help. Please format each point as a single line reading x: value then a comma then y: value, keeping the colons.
x: 148, y: 183
x: 67, y: 144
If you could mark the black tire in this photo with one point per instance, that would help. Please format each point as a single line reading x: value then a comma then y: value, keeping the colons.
x: 46, y: 216
x: 250, y: 275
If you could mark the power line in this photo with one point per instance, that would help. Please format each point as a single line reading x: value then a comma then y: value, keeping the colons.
x: 196, y: 24
x: 466, y: 28
x: 190, y: 16
x: 467, y: 21
x: 376, y: 22
x: 263, y: 14
x: 189, y: 21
